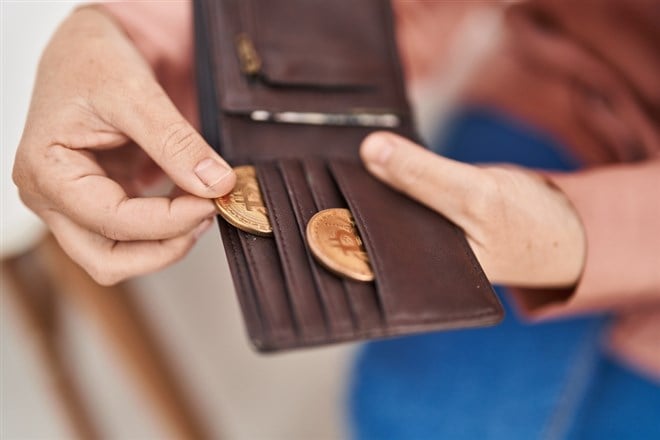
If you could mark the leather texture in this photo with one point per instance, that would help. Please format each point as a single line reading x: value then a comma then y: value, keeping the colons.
x: 335, y: 56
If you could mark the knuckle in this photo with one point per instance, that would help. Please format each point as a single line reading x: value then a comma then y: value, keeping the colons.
x: 26, y: 198
x: 17, y: 175
x: 180, y: 139
x: 20, y: 172
x: 28, y: 181
x: 43, y: 171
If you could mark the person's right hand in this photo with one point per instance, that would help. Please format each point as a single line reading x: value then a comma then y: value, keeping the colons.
x: 100, y: 128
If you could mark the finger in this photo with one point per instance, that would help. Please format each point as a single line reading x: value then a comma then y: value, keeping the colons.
x: 102, y: 206
x: 82, y: 192
x: 152, y: 120
x: 454, y: 189
x: 110, y: 262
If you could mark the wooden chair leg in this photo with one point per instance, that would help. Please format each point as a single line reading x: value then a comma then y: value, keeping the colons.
x: 36, y: 303
x: 119, y: 318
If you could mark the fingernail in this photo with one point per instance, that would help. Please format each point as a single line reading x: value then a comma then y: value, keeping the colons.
x: 210, y: 172
x: 202, y: 227
x: 377, y: 149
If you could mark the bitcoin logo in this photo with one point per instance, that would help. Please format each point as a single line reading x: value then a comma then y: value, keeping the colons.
x: 244, y: 207
x: 249, y: 196
x: 335, y: 243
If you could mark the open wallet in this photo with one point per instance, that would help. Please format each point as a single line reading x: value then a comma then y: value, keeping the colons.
x: 292, y: 87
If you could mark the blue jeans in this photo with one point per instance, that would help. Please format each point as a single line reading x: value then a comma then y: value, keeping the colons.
x: 512, y: 381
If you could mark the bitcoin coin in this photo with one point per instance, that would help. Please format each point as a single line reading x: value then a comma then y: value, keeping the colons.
x: 244, y: 206
x: 336, y: 244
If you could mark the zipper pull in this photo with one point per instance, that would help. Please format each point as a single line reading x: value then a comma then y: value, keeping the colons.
x: 247, y: 54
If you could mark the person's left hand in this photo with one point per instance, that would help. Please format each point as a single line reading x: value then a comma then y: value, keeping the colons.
x: 523, y: 231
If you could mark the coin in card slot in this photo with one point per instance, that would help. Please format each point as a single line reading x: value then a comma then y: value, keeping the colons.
x: 244, y: 206
x: 335, y: 243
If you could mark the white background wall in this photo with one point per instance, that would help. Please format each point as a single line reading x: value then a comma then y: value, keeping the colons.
x: 28, y: 409
x: 26, y: 27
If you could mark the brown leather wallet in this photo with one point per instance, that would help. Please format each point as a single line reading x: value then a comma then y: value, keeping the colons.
x: 292, y: 87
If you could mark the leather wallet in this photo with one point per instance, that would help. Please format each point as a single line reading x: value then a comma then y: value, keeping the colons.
x: 292, y: 87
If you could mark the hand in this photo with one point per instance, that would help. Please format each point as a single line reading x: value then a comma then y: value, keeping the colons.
x: 100, y: 131
x: 523, y: 231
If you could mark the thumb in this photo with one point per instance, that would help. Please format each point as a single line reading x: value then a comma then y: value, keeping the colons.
x: 444, y: 185
x: 155, y: 124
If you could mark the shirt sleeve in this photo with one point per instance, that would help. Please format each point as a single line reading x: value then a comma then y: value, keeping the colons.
x: 619, y: 207
x: 163, y: 33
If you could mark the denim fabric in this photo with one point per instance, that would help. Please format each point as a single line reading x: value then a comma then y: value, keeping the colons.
x: 512, y: 381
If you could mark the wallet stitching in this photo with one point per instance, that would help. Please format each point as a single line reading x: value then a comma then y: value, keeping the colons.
x: 437, y: 318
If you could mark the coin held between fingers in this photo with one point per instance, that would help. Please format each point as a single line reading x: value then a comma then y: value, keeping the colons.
x: 244, y: 207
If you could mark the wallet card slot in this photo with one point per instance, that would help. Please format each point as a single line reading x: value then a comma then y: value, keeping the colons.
x: 244, y: 286
x: 269, y: 288
x: 302, y: 290
x: 332, y: 293
x: 416, y: 270
x: 362, y: 297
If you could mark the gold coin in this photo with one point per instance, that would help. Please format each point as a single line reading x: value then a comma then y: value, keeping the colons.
x: 336, y: 244
x: 244, y: 206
